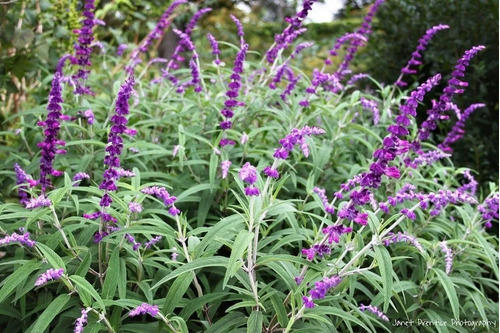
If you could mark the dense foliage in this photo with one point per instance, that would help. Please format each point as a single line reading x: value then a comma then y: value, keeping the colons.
x: 225, y: 190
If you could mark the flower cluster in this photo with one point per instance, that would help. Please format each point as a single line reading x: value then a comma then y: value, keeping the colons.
x: 403, y: 237
x: 320, y: 289
x: 372, y: 106
x: 341, y: 41
x: 454, y: 86
x: 448, y: 256
x: 24, y: 239
x: 22, y: 178
x: 416, y: 55
x: 427, y: 158
x: 248, y: 174
x: 115, y: 142
x: 81, y: 321
x: 215, y: 47
x: 135, y: 245
x: 374, y: 310
x: 51, y: 128
x: 225, y: 165
x: 134, y: 207
x: 333, y: 232
x: 51, y: 274
x: 365, y: 31
x: 457, y: 131
x: 162, y: 194
x: 233, y: 92
x: 239, y: 27
x: 79, y: 176
x: 83, y: 49
x: 296, y: 136
x: 41, y: 201
x: 317, y: 249
x: 290, y: 33
x: 144, y: 308
x: 322, y: 195
x: 489, y: 209
x: 154, y: 34
x: 152, y: 242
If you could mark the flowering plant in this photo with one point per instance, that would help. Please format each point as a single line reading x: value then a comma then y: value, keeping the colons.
x: 214, y: 198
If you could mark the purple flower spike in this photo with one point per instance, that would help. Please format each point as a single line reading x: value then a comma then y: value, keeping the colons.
x: 454, y: 86
x: 270, y: 172
x: 143, y: 309
x: 131, y: 240
x: 415, y: 56
x: 134, y: 207
x: 225, y: 165
x: 51, y: 128
x: 80, y: 176
x: 403, y: 237
x: 215, y: 47
x: 320, y: 250
x: 296, y: 136
x: 51, y: 274
x: 156, y: 33
x: 81, y: 321
x: 320, y: 289
x: 23, y: 179
x: 120, y: 49
x: 457, y: 132
x: 24, y: 239
x: 322, y: 195
x: 489, y: 209
x: 152, y: 242
x: 41, y: 201
x: 248, y: 173
x: 448, y: 256
x: 374, y: 310
x: 239, y: 26
x: 335, y: 231
x: 372, y: 106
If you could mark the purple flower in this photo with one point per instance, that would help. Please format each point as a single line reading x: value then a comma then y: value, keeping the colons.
x: 403, y: 237
x: 83, y: 48
x: 290, y: 87
x: 422, y: 44
x: 51, y: 274
x: 356, y: 78
x: 290, y: 33
x: 131, y: 240
x: 51, y: 128
x: 320, y: 250
x: 125, y: 173
x: 134, y: 207
x: 174, y: 254
x: 348, y: 37
x: 457, y: 132
x: 81, y: 321
x: 154, y: 34
x: 241, y: 33
x: 152, y: 242
x: 80, y: 176
x: 115, y: 142
x: 335, y: 231
x: 448, y: 256
x: 454, y: 86
x: 215, y: 47
x: 23, y: 179
x: 120, y: 49
x: 144, y: 308
x: 24, y: 239
x: 89, y: 115
x: 320, y: 289
x: 374, y: 310
x: 322, y: 195
x: 41, y: 201
x: 248, y: 173
x: 427, y: 158
x: 270, y: 172
x: 372, y: 106
x: 162, y: 194
x: 296, y: 136
x: 489, y: 209
x: 225, y: 165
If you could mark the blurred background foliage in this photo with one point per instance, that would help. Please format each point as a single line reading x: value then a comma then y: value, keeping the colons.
x: 35, y: 33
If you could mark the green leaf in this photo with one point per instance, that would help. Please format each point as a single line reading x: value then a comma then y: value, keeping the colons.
x: 449, y: 288
x: 83, y: 284
x: 52, y: 257
x: 195, y: 264
x: 112, y: 274
x: 50, y: 313
x: 241, y: 242
x: 122, y: 280
x: 19, y: 275
x: 214, y: 162
x: 176, y: 291
x: 385, y: 267
x: 226, y: 323
x: 254, y: 323
x: 279, y: 307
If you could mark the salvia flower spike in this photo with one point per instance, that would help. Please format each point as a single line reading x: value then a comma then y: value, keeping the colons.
x: 51, y: 274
